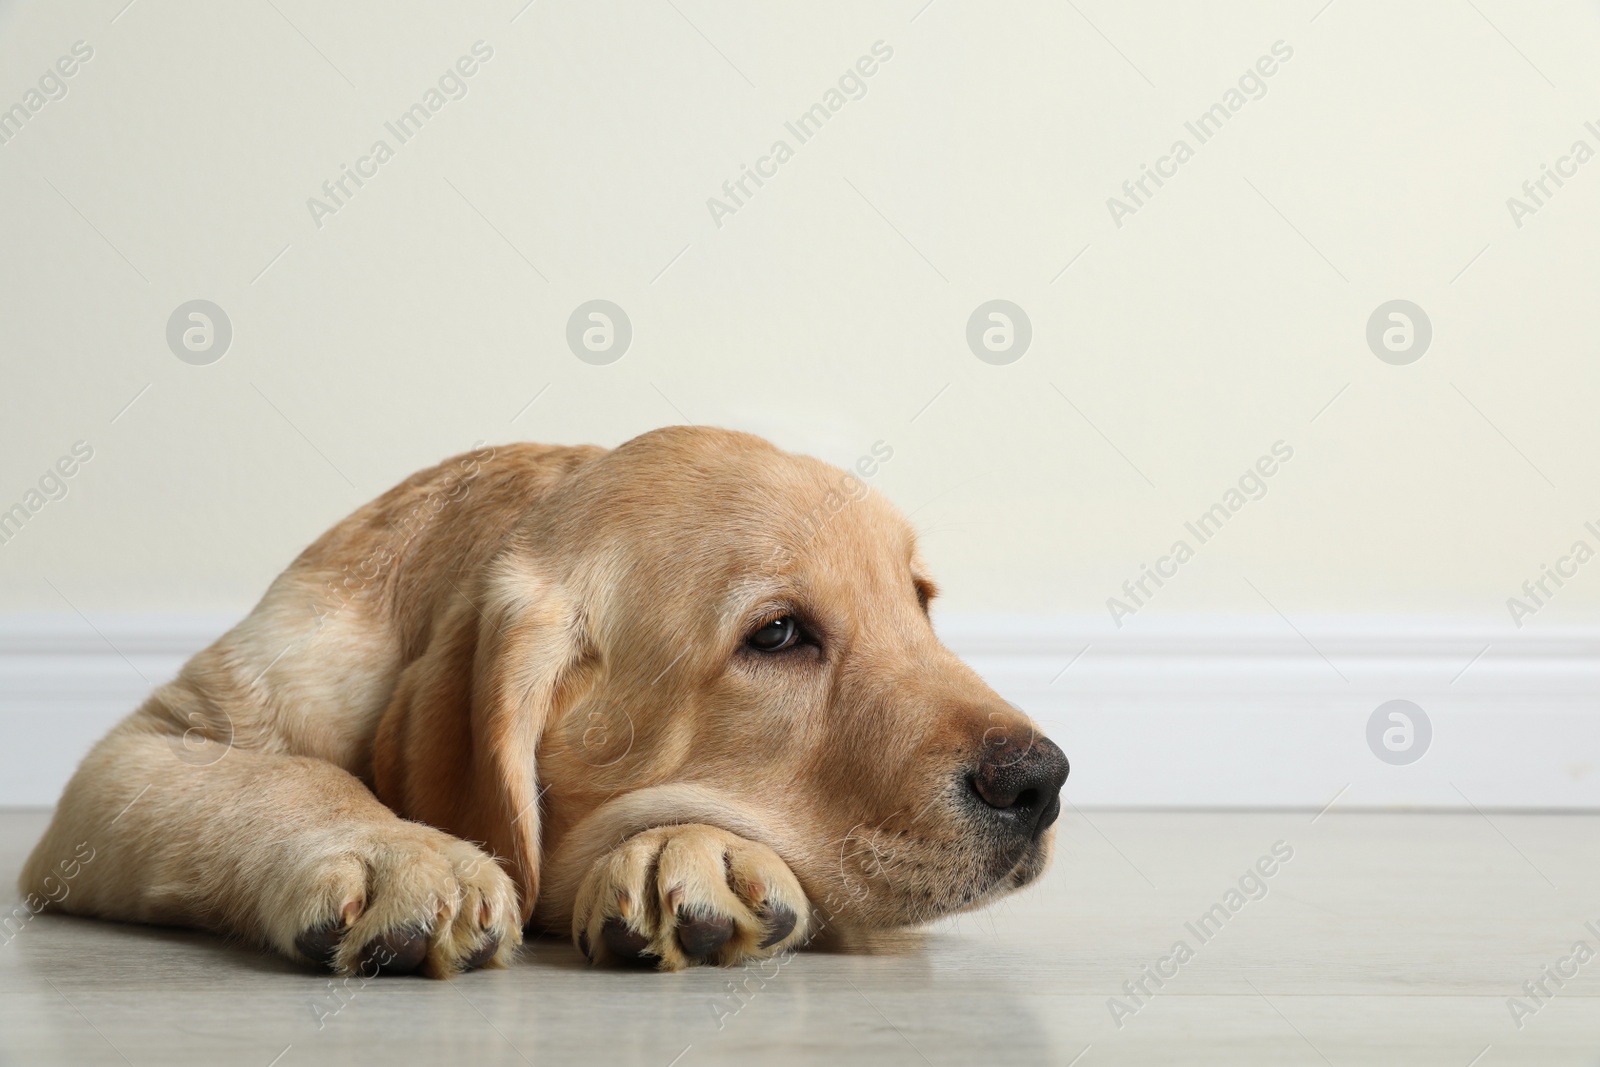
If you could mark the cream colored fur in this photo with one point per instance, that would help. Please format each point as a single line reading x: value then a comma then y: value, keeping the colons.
x: 514, y: 691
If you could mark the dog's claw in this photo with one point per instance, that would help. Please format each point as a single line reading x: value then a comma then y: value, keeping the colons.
x: 780, y: 924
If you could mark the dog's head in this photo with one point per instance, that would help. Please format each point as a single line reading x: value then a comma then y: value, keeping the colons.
x: 699, y: 627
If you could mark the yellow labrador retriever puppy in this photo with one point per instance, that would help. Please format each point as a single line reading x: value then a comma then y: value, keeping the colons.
x: 680, y: 699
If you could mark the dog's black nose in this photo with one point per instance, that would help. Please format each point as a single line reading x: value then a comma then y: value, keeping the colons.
x: 1021, y: 778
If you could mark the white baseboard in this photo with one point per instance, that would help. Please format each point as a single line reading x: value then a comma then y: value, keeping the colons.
x: 1198, y: 712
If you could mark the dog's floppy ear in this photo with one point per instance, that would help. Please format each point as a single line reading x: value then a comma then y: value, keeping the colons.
x: 456, y: 746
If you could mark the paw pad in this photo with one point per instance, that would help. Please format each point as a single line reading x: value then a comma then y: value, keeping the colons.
x: 701, y: 935
x: 483, y: 954
x: 321, y: 942
x: 626, y: 944
x: 396, y: 952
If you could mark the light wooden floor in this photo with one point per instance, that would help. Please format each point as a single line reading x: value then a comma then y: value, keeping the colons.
x: 1386, y: 939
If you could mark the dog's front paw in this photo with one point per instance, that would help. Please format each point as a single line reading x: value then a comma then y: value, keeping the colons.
x: 678, y: 895
x: 396, y: 900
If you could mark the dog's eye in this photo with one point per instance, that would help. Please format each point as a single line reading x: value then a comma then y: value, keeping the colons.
x: 776, y: 635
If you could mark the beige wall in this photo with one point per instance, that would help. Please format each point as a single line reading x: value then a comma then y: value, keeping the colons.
x: 831, y: 307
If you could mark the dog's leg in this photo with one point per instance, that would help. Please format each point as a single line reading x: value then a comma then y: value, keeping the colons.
x: 286, y: 851
x: 678, y: 895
